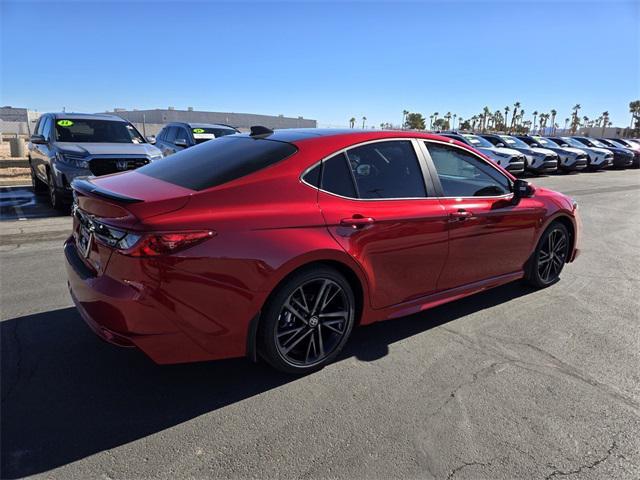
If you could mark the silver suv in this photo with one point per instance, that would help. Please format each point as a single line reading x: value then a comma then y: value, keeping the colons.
x: 69, y: 145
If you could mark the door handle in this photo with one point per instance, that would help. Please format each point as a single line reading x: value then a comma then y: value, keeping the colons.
x: 357, y: 221
x: 460, y: 215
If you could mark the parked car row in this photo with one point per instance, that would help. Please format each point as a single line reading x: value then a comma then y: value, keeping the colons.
x: 65, y: 146
x: 537, y: 154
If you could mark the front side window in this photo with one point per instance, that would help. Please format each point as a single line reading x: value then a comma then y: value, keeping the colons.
x: 387, y: 170
x: 96, y: 131
x: 46, y: 129
x: 170, y: 134
x: 462, y: 174
x: 182, y: 135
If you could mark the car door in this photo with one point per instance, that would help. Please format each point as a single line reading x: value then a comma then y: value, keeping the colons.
x: 489, y: 234
x: 182, y: 140
x: 168, y: 147
x: 375, y: 198
x: 43, y: 152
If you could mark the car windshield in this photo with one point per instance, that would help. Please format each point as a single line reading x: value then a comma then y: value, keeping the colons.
x: 597, y: 143
x: 545, y: 142
x: 513, y: 142
x: 202, y: 134
x: 618, y: 144
x: 477, y: 141
x: 573, y: 142
x: 96, y: 131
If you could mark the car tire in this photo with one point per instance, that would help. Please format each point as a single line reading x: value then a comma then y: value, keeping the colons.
x: 39, y: 187
x: 55, y: 198
x: 307, y: 320
x: 550, y: 256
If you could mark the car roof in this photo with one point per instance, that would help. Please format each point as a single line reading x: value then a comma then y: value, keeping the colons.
x: 87, y: 116
x: 200, y: 125
x: 295, y: 135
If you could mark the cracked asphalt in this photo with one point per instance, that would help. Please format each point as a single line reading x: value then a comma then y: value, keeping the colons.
x: 511, y: 383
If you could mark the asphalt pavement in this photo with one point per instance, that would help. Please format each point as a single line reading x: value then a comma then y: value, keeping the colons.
x: 510, y: 383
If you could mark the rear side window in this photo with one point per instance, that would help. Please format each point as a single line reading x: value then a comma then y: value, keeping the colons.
x: 218, y: 161
x: 336, y: 177
x: 387, y: 170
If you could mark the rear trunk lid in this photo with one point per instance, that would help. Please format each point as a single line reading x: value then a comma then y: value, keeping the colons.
x: 106, y: 207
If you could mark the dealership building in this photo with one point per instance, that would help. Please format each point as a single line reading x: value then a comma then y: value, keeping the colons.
x: 21, y: 120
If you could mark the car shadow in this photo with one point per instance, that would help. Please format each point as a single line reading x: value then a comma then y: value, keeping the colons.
x: 18, y: 203
x: 67, y: 395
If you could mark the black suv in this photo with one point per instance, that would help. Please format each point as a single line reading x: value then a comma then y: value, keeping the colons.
x: 69, y: 145
x: 177, y: 136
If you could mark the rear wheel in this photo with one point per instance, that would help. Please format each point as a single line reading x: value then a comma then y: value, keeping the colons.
x: 549, y: 257
x: 307, y: 321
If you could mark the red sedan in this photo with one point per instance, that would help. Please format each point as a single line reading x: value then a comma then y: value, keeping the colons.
x: 276, y: 244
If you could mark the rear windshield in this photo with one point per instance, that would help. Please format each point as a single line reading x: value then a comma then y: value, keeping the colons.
x: 218, y: 161
x: 96, y: 131
x: 202, y: 134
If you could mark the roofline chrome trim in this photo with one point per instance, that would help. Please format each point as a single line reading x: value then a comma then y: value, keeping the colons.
x: 428, y: 197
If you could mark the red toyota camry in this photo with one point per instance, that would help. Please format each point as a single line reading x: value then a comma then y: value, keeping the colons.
x: 276, y: 244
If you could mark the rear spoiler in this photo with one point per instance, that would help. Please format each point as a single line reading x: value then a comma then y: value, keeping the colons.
x: 85, y: 186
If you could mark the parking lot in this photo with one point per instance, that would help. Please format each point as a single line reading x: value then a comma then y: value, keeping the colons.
x: 510, y: 383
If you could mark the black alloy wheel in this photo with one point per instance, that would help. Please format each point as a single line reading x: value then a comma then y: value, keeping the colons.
x: 550, y: 256
x: 308, y: 320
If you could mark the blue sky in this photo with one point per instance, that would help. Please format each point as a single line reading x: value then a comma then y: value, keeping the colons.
x: 323, y: 60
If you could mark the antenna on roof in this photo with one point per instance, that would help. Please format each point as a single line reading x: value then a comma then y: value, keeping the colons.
x: 260, y: 131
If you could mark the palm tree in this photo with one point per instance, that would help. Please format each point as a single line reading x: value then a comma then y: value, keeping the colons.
x: 454, y: 121
x: 382, y: 126
x: 516, y: 106
x: 430, y: 122
x: 364, y: 119
x: 506, y: 116
x: 634, y: 110
x: 566, y: 123
x: 352, y: 121
x: 435, y: 116
x: 553, y: 121
x: 575, y: 122
x: 447, y: 117
x: 605, y: 121
x: 535, y: 115
x: 404, y: 115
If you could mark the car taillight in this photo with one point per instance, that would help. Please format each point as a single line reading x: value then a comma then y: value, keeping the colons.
x: 165, y: 243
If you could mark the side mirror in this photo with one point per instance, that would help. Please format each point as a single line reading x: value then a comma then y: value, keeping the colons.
x: 180, y: 142
x: 522, y: 189
x: 38, y: 140
x: 500, y: 144
x: 151, y: 139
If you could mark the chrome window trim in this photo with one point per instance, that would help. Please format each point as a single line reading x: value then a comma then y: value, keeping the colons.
x: 414, y: 142
x: 419, y: 141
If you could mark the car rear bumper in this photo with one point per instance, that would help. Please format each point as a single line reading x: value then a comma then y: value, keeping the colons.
x: 125, y: 315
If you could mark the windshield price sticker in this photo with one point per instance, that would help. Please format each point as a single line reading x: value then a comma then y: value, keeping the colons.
x: 198, y: 130
x: 65, y: 123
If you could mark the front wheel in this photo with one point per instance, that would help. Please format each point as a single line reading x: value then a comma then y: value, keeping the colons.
x: 549, y: 258
x: 55, y: 198
x: 38, y: 185
x: 307, y: 321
